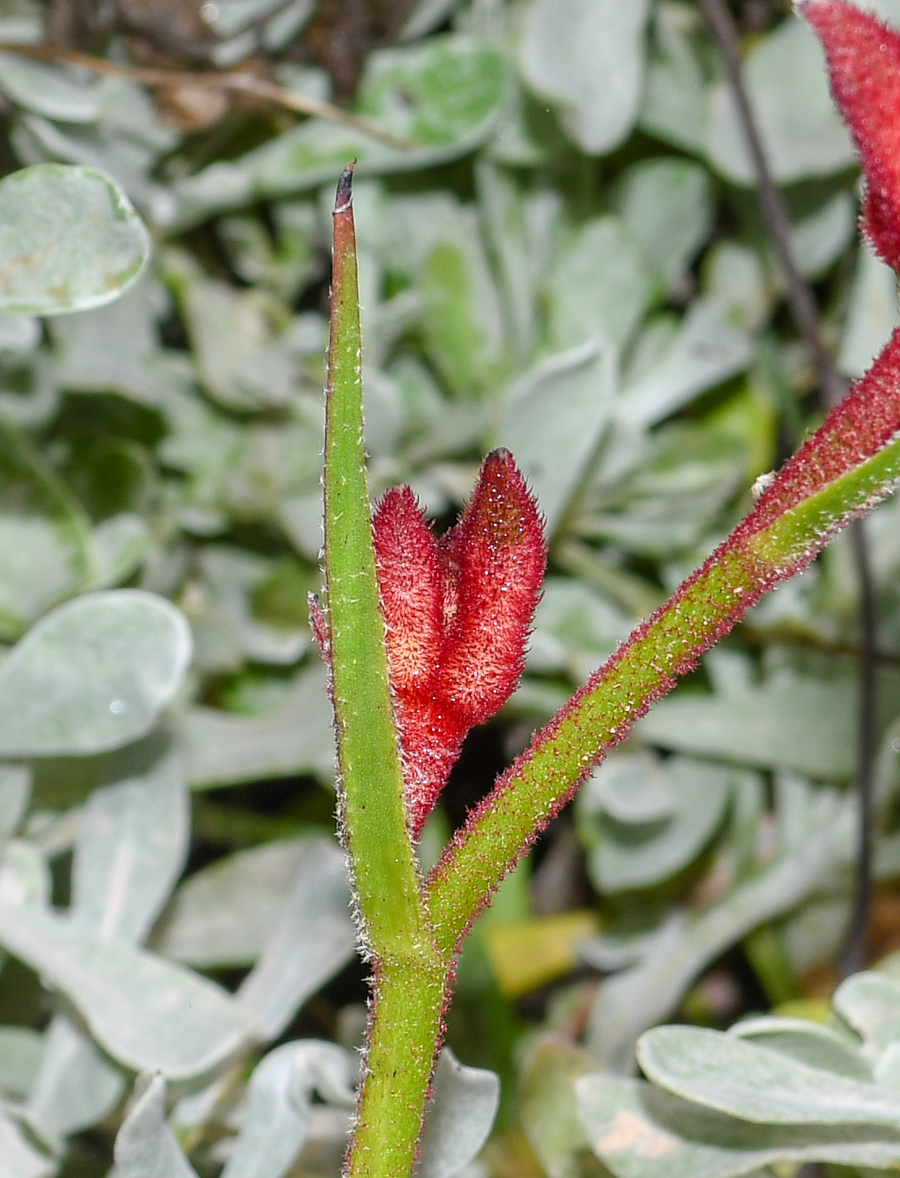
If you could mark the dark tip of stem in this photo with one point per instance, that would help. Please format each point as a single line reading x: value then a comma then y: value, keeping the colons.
x: 343, y: 198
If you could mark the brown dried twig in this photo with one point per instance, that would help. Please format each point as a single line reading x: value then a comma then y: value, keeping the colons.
x: 232, y: 81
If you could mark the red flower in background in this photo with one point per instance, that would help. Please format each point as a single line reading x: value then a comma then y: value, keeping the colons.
x: 457, y: 613
x: 863, y: 56
x: 864, y: 60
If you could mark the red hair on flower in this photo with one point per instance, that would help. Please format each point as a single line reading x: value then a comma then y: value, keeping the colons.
x: 457, y: 613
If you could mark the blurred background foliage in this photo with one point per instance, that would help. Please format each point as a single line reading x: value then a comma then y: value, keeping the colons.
x: 561, y: 252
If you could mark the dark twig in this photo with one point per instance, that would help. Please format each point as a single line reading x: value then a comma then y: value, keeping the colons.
x: 833, y: 385
x: 232, y: 81
x: 774, y: 210
x: 853, y: 957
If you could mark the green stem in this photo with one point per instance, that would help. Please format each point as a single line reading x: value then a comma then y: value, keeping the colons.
x: 409, y: 973
x: 411, y: 933
x: 405, y: 1031
x: 594, y: 721
x: 600, y: 715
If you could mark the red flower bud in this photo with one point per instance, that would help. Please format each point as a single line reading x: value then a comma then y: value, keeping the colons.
x: 410, y: 581
x: 494, y: 561
x: 864, y: 60
x: 457, y: 613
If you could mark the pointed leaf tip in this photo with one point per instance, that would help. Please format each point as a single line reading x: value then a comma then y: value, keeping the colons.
x: 864, y: 63
x: 343, y: 197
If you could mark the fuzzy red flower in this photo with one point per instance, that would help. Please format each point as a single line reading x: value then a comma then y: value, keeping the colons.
x: 863, y: 56
x: 457, y: 613
x: 864, y: 61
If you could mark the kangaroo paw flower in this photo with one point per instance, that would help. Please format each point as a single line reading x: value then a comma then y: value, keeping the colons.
x: 410, y: 583
x: 494, y: 562
x: 864, y: 61
x: 457, y: 614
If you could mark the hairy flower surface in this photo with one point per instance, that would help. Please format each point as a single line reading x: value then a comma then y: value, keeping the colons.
x: 863, y: 55
x: 457, y: 613
x: 864, y: 61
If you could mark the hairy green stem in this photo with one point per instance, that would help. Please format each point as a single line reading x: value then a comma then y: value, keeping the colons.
x: 405, y: 1032
x: 411, y: 931
x: 645, y: 668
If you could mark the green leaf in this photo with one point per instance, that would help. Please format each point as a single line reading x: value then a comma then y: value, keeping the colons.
x: 312, y: 939
x: 650, y: 990
x: 126, y: 142
x: 811, y: 1043
x: 460, y: 314
x: 459, y: 1119
x: 587, y: 56
x: 755, y: 1083
x: 637, y: 852
x: 870, y: 1003
x: 872, y: 314
x: 548, y: 1109
x: 25, y: 873
x: 76, y: 1086
x: 805, y: 725
x: 238, y: 338
x: 599, y: 286
x: 69, y: 240
x: 115, y: 347
x: 801, y: 130
x: 146, y: 1012
x: 633, y: 789
x: 118, y: 545
x: 575, y: 628
x: 145, y: 1145
x: 667, y: 205
x: 51, y: 89
x: 674, y: 107
x: 15, y: 792
x: 44, y: 537
x: 278, y: 1111
x: 224, y: 914
x: 231, y: 576
x: 821, y: 237
x: 20, y: 1158
x: 92, y: 675
x: 640, y: 1132
x: 20, y: 1059
x: 554, y: 418
x: 674, y: 493
x: 225, y: 749
x: 132, y: 842
x: 736, y: 286
x: 705, y: 351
